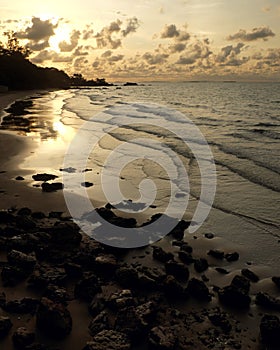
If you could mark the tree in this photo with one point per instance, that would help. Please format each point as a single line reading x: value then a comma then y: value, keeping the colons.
x: 13, y: 47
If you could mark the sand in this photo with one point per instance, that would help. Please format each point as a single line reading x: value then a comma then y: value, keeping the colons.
x: 21, y: 193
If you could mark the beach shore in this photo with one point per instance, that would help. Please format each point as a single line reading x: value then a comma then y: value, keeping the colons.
x: 182, y: 295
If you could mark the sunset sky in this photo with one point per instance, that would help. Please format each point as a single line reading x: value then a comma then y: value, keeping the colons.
x: 151, y: 40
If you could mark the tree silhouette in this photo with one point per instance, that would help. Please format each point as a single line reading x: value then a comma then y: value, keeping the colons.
x: 13, y: 47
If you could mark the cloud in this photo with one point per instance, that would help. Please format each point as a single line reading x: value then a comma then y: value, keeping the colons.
x: 115, y: 58
x: 107, y: 53
x: 257, y: 33
x: 88, y: 33
x: 80, y: 62
x: 38, y: 46
x: 169, y: 31
x: 79, y: 51
x: 53, y: 56
x: 155, y: 58
x: 39, y: 30
x: 229, y: 50
x: 132, y: 25
x: 179, y: 47
x: 74, y: 40
x: 186, y: 60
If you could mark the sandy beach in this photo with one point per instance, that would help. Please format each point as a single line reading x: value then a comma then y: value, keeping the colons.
x: 68, y: 290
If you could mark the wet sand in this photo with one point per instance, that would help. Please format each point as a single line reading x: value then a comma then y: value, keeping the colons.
x: 193, y: 318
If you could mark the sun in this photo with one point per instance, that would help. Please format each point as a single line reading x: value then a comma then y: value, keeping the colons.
x: 62, y: 33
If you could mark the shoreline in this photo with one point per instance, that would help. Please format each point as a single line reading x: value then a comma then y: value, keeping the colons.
x: 203, y: 331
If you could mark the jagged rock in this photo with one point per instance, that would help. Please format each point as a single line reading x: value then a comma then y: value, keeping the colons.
x: 161, y: 255
x: 179, y: 230
x: 65, y: 234
x: 276, y: 280
x: 97, y: 305
x: 221, y: 270
x: 178, y: 270
x: 108, y: 340
x: 198, y: 289
x: 99, y: 323
x: 173, y: 288
x: 186, y: 248
x: 21, y: 260
x: 53, y: 187
x: 57, y: 294
x: 232, y: 256
x: 53, y: 319
x: 5, y: 326
x: 24, y: 211
x: 250, y: 275
x: 234, y: 297
x: 162, y: 338
x: 218, y: 254
x: 44, y: 177
x: 128, y: 323
x: 186, y: 257
x: 87, y: 288
x: 201, y: 265
x: 12, y: 275
x: 22, y: 338
x: 146, y: 313
x: 270, y: 330
x: 241, y: 283
x: 25, y: 223
x: 219, y: 319
x: 6, y: 217
x: 73, y: 270
x: 121, y: 300
x: 267, y: 301
x: 106, y: 264
x: 22, y: 306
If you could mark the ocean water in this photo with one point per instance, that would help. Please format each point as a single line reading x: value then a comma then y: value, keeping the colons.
x: 162, y: 132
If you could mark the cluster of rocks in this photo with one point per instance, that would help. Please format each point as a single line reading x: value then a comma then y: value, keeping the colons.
x: 130, y: 304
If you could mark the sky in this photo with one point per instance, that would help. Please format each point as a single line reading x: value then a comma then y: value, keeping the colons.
x: 148, y: 40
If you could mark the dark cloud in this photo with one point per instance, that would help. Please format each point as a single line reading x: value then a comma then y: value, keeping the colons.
x: 42, y: 56
x: 39, y: 30
x: 88, y: 33
x: 179, y: 47
x: 80, y: 62
x: 169, y: 31
x: 115, y: 58
x: 38, y: 46
x: 186, y: 60
x: 105, y: 37
x: 229, y: 51
x: 131, y: 27
x: 79, y: 51
x: 257, y: 33
x: 107, y: 53
x: 74, y: 40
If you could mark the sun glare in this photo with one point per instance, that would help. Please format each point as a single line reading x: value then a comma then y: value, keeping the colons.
x: 62, y: 33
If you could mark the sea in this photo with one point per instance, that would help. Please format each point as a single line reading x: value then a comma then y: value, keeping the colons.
x: 202, y: 151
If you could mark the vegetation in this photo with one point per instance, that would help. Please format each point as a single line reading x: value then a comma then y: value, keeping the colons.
x: 18, y: 73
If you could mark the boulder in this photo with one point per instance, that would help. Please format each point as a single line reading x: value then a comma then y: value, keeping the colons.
x: 5, y: 326
x: 22, y: 338
x: 217, y: 254
x: 201, y: 265
x: 178, y: 270
x: 232, y: 256
x: 21, y: 260
x: 161, y: 255
x: 99, y: 323
x: 109, y: 340
x: 162, y: 338
x: 87, y: 287
x: 267, y: 301
x: 270, y: 330
x: 198, y: 290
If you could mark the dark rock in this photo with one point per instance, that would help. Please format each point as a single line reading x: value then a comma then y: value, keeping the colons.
x: 22, y: 338
x: 178, y: 270
x: 121, y: 300
x: 57, y: 294
x: 55, y: 214
x: 12, y: 275
x: 267, y: 301
x: 22, y: 306
x: 19, y: 178
x: 24, y: 211
x: 22, y: 260
x: 25, y: 223
x: 218, y: 254
x: 6, y: 217
x: 219, y: 319
x: 87, y: 288
x: 276, y: 280
x: 234, y: 297
x: 73, y: 270
x: 53, y: 187
x: 162, y: 338
x: 99, y: 323
x: 201, y: 265
x: 241, y: 283
x: 146, y: 313
x: 128, y: 323
x: 173, y: 288
x: 53, y: 319
x: 186, y: 248
x: 65, y: 234
x: 97, y: 305
x: 270, y: 330
x: 106, y: 264
x: 87, y: 184
x: 2, y: 299
x: 250, y: 275
x: 44, y: 177
x: 185, y: 257
x: 5, y: 326
x: 209, y: 235
x: 178, y: 231
x: 221, y: 270
x: 43, y: 277
x: 232, y: 256
x: 198, y: 290
x: 127, y: 277
x: 70, y: 170
x: 161, y: 255
x: 38, y: 215
x: 108, y: 340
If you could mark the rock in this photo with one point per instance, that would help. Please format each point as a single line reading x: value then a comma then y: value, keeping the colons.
x: 22, y: 306
x: 87, y: 184
x: 198, y: 290
x: 43, y: 277
x: 99, y: 323
x: 19, y: 178
x: 44, y: 177
x: 21, y: 260
x: 73, y: 270
x: 162, y: 256
x: 186, y: 257
x: 57, y: 294
x: 270, y: 330
x: 146, y: 313
x: 209, y: 235
x: 97, y: 305
x: 218, y: 254
x: 232, y: 256
x: 108, y: 340
x: 178, y: 231
x: 173, y: 288
x: 178, y: 270
x: 12, y: 275
x: 201, y: 265
x: 53, y: 187
x: 6, y: 217
x: 267, y: 301
x: 128, y: 323
x: 22, y: 338
x: 186, y: 248
x: 38, y: 215
x: 121, y: 300
x: 250, y: 275
x: 241, y: 283
x: 127, y: 277
x: 65, y: 234
x: 162, y: 338
x: 53, y: 319
x: 276, y: 280
x: 221, y: 270
x: 106, y: 264
x: 5, y: 326
x: 87, y: 288
x: 219, y: 319
x: 234, y: 297
x: 69, y: 170
x: 25, y: 223
x: 24, y: 211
